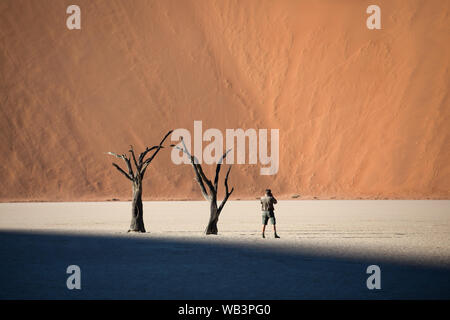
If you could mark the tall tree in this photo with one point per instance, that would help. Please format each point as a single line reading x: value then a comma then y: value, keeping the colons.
x: 204, y: 183
x: 136, y: 176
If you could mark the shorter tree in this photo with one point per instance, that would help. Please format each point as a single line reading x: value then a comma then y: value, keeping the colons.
x: 211, y: 197
x: 136, y: 176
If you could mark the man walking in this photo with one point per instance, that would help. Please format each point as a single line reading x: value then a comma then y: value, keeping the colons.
x: 267, y: 202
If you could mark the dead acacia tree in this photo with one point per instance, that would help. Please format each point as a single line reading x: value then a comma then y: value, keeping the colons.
x: 211, y: 197
x: 136, y: 176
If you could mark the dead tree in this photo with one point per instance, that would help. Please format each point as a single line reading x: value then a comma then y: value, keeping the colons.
x: 204, y: 182
x: 136, y: 176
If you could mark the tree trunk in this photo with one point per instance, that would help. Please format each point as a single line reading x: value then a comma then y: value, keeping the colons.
x: 213, y: 218
x: 137, y: 213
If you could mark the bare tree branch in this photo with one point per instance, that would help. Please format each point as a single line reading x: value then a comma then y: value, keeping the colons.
x: 226, y: 181
x: 134, y: 159
x: 116, y: 155
x: 199, y: 171
x: 219, y: 163
x: 130, y: 169
x: 200, y: 182
x: 205, y: 179
x: 143, y: 154
x: 227, y: 192
x: 124, y: 158
x: 147, y: 162
x: 122, y: 171
x: 194, y: 163
x: 202, y: 179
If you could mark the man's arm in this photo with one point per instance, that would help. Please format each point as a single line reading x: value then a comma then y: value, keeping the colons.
x: 274, y: 200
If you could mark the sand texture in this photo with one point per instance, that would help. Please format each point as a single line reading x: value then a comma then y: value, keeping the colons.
x: 324, y: 251
x: 362, y: 113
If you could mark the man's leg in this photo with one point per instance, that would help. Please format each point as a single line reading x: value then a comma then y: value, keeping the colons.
x: 265, y: 219
x: 275, y: 232
x: 273, y: 220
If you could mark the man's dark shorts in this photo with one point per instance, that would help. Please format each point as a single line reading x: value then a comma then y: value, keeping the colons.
x: 266, y: 215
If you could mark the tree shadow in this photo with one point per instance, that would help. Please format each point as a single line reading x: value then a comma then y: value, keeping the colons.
x: 33, y: 266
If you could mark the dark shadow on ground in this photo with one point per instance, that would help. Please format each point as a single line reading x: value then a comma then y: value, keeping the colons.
x: 33, y: 266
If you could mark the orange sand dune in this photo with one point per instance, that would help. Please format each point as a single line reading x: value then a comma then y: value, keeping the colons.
x: 362, y: 113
